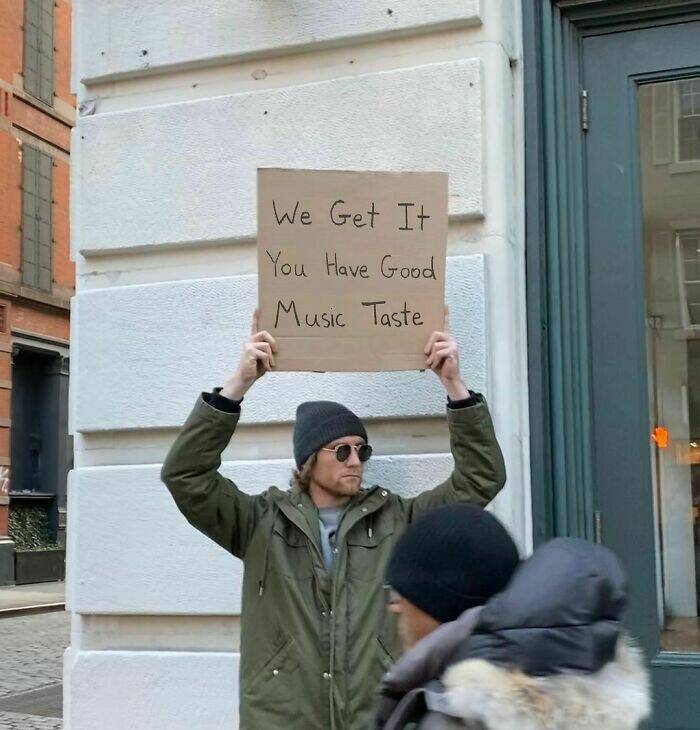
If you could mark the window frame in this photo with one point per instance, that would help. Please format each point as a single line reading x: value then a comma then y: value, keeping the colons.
x: 676, y: 122
x: 35, y: 281
x: 42, y: 56
x: 678, y: 233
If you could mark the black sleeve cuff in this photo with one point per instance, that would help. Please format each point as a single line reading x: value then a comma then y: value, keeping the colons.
x: 222, y: 403
x: 473, y: 400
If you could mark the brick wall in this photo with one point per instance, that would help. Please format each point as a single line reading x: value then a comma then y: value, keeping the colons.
x: 25, y: 120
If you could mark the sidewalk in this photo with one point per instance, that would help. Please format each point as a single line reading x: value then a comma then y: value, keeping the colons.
x: 33, y: 598
x: 32, y: 648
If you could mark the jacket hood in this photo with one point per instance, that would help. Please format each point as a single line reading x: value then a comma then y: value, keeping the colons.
x: 617, y: 697
x: 561, y: 612
x: 548, y: 653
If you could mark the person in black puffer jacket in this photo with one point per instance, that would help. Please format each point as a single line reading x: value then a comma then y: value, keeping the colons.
x: 546, y: 653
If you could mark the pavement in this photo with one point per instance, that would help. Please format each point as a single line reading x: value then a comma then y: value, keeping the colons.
x: 15, y: 721
x: 36, y: 597
x: 31, y: 656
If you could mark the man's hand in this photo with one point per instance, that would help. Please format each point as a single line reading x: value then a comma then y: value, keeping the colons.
x: 258, y: 358
x: 442, y: 357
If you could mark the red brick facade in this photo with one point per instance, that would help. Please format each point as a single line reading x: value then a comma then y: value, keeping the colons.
x: 26, y: 120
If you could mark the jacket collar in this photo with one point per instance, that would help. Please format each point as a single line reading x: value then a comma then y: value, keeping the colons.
x: 402, y: 690
x: 298, y: 507
x: 429, y: 658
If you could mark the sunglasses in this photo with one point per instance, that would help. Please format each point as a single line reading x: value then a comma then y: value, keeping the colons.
x: 343, y: 451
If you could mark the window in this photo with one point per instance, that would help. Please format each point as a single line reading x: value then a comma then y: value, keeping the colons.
x: 688, y: 120
x: 37, y: 169
x: 38, y: 49
x: 688, y: 252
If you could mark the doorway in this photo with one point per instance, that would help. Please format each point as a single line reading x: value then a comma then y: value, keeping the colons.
x: 613, y: 250
x: 642, y: 156
x: 39, y: 440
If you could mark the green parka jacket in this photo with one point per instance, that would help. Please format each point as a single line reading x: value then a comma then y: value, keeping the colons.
x: 314, y: 646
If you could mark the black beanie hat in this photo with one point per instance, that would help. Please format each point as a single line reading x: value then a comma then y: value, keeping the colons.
x: 454, y: 558
x: 320, y: 422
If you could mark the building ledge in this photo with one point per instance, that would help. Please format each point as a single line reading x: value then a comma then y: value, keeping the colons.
x: 19, y: 291
x: 59, y: 116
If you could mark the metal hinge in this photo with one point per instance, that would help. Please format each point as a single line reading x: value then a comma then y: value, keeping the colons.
x: 584, y: 110
x: 598, y: 526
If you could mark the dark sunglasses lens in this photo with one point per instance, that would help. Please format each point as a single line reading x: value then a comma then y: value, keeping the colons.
x: 342, y: 453
x: 364, y: 452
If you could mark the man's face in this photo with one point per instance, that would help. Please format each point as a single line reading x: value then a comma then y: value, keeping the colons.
x: 413, y: 623
x: 339, y: 478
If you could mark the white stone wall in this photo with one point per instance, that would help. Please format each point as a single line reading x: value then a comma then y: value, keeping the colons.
x: 178, y: 107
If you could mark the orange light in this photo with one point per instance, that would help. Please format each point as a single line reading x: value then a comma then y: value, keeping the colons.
x: 660, y: 437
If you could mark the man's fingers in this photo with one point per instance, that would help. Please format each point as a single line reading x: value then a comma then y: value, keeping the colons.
x: 265, y: 336
x: 435, y: 359
x: 262, y: 347
x: 438, y: 359
x: 446, y: 326
x: 265, y: 360
x: 261, y: 352
x: 435, y: 337
x: 255, y: 324
x: 440, y: 351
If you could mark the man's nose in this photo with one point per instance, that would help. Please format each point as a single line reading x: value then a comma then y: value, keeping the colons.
x: 353, y: 459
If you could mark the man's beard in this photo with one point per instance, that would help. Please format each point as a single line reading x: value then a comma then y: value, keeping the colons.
x: 343, y: 487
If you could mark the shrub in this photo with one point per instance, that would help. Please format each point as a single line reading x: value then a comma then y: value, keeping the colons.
x: 28, y: 527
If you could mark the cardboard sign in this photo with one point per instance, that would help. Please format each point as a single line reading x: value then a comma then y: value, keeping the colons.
x: 351, y: 267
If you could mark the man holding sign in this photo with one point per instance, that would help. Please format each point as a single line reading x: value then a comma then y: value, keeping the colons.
x: 315, y: 635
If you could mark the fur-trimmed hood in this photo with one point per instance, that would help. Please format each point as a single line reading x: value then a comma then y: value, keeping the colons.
x: 617, y: 697
x: 547, y: 653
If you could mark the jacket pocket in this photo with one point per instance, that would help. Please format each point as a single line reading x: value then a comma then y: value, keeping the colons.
x: 270, y: 692
x: 369, y: 545
x: 289, y: 553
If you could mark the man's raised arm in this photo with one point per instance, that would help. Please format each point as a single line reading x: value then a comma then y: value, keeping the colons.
x: 479, y: 472
x: 211, y: 502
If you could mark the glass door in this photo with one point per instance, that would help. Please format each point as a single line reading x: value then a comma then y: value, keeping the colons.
x: 642, y: 157
x: 669, y: 136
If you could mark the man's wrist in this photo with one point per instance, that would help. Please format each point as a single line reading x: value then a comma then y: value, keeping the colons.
x: 456, y: 389
x: 221, y: 403
x: 234, y: 389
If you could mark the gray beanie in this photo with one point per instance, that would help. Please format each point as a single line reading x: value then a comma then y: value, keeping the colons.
x: 320, y: 422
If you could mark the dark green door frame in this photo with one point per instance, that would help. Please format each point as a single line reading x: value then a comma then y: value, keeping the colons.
x: 558, y: 320
x: 558, y: 286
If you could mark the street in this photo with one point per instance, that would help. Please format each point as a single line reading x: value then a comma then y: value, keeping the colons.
x: 31, y: 652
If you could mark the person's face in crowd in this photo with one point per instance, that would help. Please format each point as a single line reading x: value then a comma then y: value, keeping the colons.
x: 413, y: 623
x: 338, y: 479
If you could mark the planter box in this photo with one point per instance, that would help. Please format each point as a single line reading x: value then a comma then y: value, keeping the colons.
x: 40, y: 566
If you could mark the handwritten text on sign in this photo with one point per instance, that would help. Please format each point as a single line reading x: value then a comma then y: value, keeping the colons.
x: 351, y: 266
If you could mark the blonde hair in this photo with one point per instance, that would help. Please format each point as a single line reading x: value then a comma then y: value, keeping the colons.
x: 302, y: 477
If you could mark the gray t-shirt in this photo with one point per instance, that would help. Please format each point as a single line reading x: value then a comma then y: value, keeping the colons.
x: 328, y: 521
